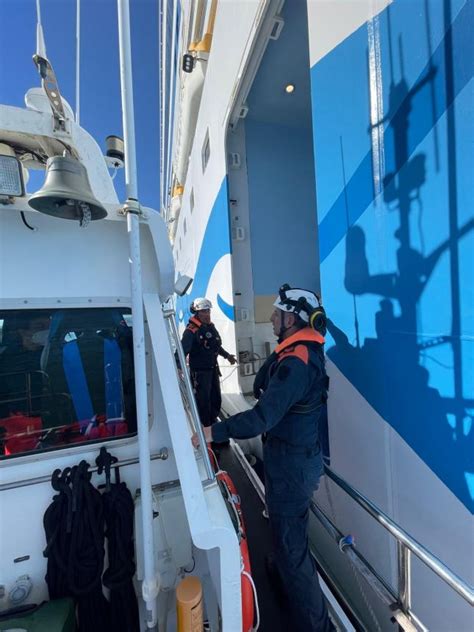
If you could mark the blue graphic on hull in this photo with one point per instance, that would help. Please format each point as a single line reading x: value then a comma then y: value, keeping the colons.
x: 396, y: 270
x: 215, y: 245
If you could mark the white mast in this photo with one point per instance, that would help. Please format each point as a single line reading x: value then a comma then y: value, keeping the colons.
x: 132, y: 208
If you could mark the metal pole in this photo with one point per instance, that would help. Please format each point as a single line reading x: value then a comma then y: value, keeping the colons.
x: 192, y: 402
x: 150, y: 583
x: 404, y: 577
x: 161, y: 455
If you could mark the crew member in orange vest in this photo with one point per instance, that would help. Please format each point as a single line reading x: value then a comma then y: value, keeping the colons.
x: 291, y: 388
x: 202, y: 343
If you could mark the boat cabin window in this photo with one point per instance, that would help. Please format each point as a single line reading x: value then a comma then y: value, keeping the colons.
x: 66, y: 377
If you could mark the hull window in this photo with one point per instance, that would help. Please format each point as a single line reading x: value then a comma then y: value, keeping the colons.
x: 206, y: 152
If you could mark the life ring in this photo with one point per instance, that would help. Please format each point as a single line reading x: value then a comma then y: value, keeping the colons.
x: 248, y: 606
x: 246, y: 583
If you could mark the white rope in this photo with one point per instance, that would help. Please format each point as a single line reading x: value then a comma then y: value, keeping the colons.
x: 228, y: 376
x: 255, y: 598
x: 78, y: 60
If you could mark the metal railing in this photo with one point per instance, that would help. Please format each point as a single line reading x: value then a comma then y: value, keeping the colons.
x: 162, y: 455
x: 406, y: 545
x: 400, y: 602
x: 191, y: 402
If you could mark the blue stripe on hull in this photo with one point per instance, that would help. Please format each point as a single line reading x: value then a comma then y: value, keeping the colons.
x: 215, y: 245
x: 396, y: 272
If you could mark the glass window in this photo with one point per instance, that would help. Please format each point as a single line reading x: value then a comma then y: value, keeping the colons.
x: 206, y: 151
x: 66, y: 377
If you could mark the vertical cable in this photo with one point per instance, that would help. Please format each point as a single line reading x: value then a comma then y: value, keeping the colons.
x: 78, y: 60
x: 164, y: 25
x: 171, y: 97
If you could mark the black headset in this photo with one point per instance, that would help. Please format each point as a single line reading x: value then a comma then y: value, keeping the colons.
x: 316, y: 315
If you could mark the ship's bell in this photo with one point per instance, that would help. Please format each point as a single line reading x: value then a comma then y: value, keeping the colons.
x: 67, y: 193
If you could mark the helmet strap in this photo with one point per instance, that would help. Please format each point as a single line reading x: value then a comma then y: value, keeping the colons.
x: 283, y: 329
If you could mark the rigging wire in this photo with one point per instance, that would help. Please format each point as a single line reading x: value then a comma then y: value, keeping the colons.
x: 164, y: 18
x: 171, y: 96
x: 78, y: 59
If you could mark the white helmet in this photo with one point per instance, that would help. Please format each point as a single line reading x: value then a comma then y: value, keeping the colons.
x: 303, y: 303
x: 199, y: 304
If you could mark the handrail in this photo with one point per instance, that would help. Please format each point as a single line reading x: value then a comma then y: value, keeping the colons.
x: 406, y: 541
x: 169, y: 315
x: 37, y: 480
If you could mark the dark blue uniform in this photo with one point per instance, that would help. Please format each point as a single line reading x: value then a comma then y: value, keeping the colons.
x: 203, y: 344
x: 292, y: 388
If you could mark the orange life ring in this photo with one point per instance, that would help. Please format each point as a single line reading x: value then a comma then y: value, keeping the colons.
x: 248, y: 606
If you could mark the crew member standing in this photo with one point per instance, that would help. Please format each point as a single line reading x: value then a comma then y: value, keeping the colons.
x: 291, y: 388
x: 202, y: 343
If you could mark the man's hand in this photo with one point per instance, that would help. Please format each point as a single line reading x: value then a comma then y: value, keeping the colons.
x: 231, y: 359
x: 207, y: 435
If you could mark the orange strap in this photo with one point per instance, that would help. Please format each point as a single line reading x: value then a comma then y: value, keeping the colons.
x: 299, y: 351
x: 194, y: 324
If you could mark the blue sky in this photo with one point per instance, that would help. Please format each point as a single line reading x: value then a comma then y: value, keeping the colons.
x: 100, y: 111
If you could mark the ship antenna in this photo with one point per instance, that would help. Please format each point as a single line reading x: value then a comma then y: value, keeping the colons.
x: 40, y: 45
x: 48, y: 78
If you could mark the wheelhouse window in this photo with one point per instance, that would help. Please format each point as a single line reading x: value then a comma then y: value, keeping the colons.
x: 66, y: 377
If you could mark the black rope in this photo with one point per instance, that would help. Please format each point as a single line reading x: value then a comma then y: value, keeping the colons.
x: 57, y: 536
x: 86, y: 553
x: 119, y: 512
x: 74, y: 526
x: 22, y: 213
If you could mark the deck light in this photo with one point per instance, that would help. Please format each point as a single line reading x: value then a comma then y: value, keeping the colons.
x: 11, y: 176
x: 289, y: 88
